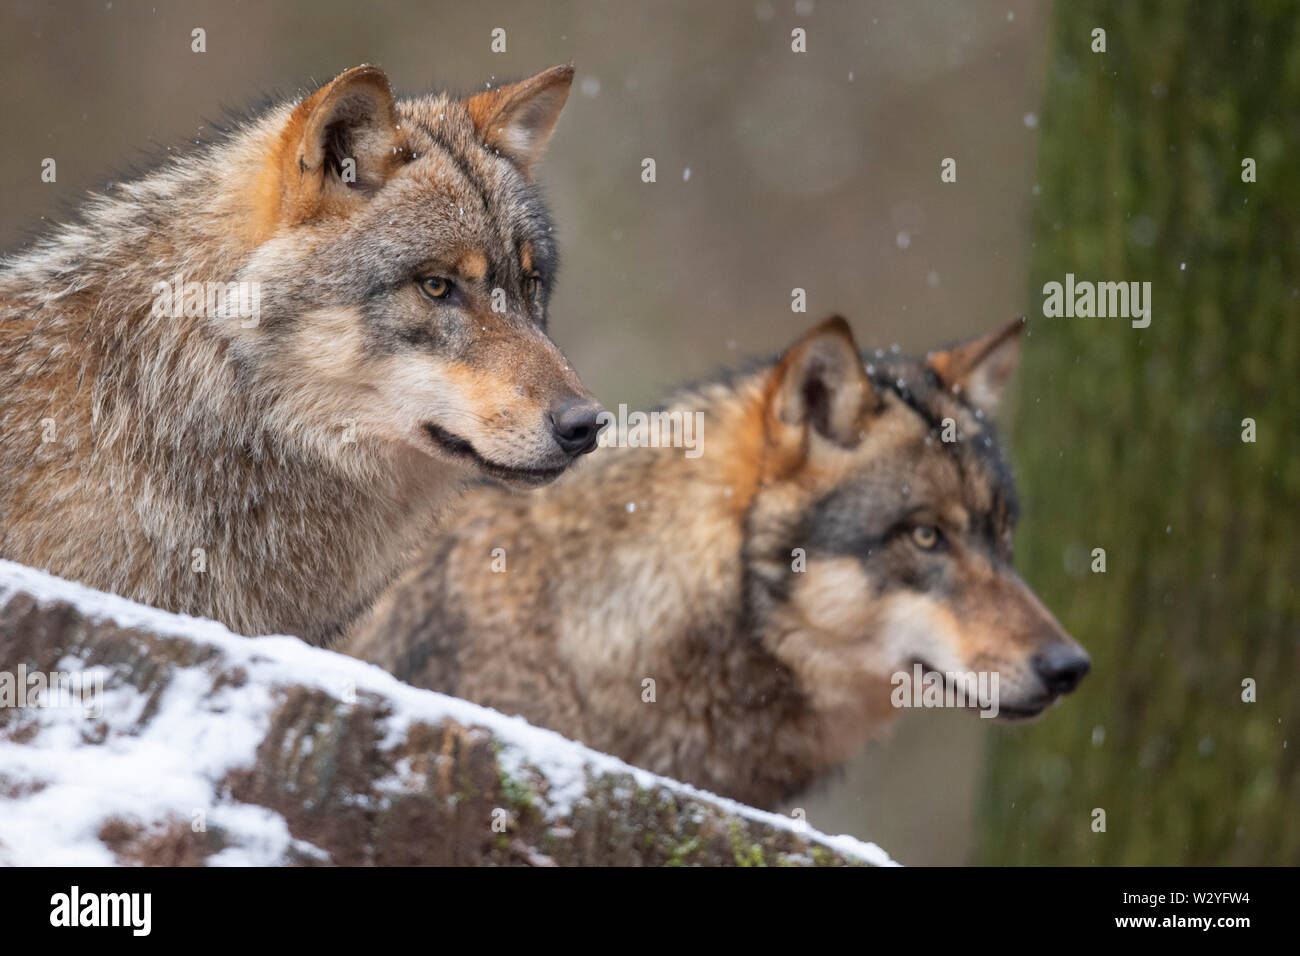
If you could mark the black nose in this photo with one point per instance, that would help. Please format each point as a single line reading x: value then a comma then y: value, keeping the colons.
x: 1062, y: 666
x: 574, y: 422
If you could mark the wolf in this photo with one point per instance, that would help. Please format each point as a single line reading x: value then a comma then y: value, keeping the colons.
x: 738, y: 620
x: 244, y: 385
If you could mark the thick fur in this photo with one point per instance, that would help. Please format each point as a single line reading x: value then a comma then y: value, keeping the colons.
x: 273, y: 474
x: 658, y: 566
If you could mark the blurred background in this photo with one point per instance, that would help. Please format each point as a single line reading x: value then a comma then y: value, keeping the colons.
x: 820, y: 171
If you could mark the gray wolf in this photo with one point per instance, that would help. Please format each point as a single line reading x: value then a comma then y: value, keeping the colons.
x: 244, y: 385
x: 737, y: 619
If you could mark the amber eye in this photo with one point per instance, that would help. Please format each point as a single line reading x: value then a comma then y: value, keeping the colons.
x: 925, y: 536
x: 436, y: 287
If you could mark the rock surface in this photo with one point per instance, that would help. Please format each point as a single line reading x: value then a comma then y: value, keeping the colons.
x: 133, y: 736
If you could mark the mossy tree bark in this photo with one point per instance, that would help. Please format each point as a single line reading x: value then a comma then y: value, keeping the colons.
x: 1131, y: 440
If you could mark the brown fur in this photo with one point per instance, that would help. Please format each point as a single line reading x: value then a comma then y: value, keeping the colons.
x: 295, y: 451
x: 652, y: 565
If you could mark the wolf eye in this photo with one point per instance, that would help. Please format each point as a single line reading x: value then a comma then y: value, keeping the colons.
x: 925, y: 536
x: 435, y: 287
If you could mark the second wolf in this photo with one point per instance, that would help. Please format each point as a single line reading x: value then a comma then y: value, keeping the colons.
x: 846, y: 521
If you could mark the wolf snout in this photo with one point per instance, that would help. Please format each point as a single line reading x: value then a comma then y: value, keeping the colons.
x: 574, y: 424
x: 1061, y: 667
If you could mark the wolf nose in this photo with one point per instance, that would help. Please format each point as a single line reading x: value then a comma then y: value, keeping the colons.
x: 1061, y: 667
x: 574, y: 421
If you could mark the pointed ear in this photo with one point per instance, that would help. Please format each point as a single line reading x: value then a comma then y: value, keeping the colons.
x: 820, y: 385
x: 340, y: 143
x: 517, y: 120
x: 980, y: 368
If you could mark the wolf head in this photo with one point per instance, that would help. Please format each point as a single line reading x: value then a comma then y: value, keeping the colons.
x: 889, y: 475
x: 405, y: 260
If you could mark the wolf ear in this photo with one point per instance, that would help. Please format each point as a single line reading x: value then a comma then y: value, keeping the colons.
x: 517, y: 120
x: 820, y: 384
x: 341, y: 141
x: 980, y: 368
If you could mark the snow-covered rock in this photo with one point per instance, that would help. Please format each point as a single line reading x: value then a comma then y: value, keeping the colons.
x: 130, y: 735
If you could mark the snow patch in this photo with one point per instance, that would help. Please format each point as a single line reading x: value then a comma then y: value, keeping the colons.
x: 171, y: 767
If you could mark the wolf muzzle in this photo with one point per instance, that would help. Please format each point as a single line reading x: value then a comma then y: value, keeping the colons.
x: 574, y: 425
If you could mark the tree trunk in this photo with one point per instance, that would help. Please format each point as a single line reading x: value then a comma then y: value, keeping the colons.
x: 1130, y: 439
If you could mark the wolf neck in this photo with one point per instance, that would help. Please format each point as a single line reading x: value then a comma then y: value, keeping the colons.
x: 193, y: 216
x: 679, y: 613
